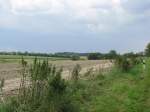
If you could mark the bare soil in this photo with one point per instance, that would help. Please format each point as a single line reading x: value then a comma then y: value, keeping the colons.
x: 11, y: 71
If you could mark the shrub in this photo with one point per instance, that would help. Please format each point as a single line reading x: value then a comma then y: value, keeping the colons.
x: 42, y: 90
x: 75, y: 57
x: 1, y: 85
x: 112, y: 54
x: 94, y: 56
x: 75, y: 73
x: 126, y: 64
x: 123, y: 63
x: 147, y: 50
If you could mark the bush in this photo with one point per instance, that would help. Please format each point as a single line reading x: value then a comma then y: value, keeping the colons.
x: 112, y: 54
x: 94, y: 56
x: 125, y: 64
x: 75, y: 57
x: 42, y: 90
x: 147, y: 50
x: 76, y: 73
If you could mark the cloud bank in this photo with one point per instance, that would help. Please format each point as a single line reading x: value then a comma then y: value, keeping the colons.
x: 74, y: 24
x: 96, y: 15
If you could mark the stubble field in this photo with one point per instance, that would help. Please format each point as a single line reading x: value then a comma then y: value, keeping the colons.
x: 10, y: 68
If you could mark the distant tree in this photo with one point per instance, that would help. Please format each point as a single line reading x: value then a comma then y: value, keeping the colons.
x: 140, y: 54
x: 147, y: 50
x: 94, y: 56
x: 75, y: 57
x: 26, y: 53
x: 112, y: 54
x: 130, y: 55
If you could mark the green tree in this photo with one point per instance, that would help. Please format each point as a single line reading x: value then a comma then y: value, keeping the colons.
x: 112, y: 54
x: 94, y: 56
x: 147, y: 50
x: 75, y: 57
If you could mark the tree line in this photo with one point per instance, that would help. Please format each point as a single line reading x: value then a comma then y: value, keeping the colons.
x: 90, y: 56
x: 114, y: 55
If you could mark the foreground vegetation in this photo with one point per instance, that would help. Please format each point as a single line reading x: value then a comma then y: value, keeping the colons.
x: 125, y: 88
x: 113, y: 91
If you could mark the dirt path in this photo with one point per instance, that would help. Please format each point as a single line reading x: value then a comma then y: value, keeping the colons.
x: 14, y: 83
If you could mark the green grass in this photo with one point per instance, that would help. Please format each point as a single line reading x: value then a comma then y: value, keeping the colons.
x: 114, y: 91
x: 17, y: 58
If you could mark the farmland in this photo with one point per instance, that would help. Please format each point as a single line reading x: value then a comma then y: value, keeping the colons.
x: 17, y: 58
x: 74, y: 56
x: 10, y: 65
x: 116, y: 89
x: 10, y: 68
x: 49, y: 84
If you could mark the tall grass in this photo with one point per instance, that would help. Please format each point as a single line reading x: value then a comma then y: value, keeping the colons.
x: 117, y: 91
x: 42, y: 90
x: 112, y: 91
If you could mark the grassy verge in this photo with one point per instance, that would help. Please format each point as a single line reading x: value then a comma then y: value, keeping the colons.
x: 114, y: 91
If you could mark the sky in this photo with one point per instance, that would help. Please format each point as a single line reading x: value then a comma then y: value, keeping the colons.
x: 74, y: 25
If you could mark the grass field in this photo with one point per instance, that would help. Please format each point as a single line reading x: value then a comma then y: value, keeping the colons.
x: 111, y: 91
x: 17, y: 58
x: 116, y: 91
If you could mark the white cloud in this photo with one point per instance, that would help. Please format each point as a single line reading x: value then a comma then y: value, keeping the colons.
x: 97, y: 15
x: 103, y: 15
x: 36, y: 6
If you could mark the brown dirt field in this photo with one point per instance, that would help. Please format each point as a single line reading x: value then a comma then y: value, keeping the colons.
x: 11, y: 71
